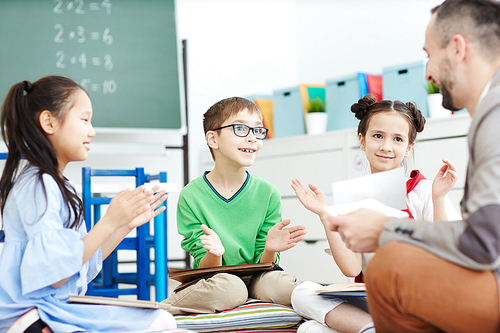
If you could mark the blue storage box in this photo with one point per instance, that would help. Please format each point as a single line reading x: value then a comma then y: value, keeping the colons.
x: 406, y: 83
x: 288, y: 113
x: 341, y: 93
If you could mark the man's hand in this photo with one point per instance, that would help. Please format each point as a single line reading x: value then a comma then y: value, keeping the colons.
x: 361, y: 229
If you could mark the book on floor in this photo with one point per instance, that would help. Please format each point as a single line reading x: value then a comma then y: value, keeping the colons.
x: 117, y: 301
x: 343, y: 289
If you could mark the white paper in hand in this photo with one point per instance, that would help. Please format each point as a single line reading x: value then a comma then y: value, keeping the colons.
x: 387, y: 187
x: 366, y: 203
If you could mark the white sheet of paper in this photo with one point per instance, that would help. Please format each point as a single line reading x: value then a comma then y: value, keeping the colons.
x: 370, y: 203
x: 387, y: 187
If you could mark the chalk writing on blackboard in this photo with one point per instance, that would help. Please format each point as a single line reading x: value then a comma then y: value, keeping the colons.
x: 123, y: 52
x: 79, y: 34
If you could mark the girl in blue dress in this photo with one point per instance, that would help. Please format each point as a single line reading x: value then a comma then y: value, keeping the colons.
x: 48, y: 254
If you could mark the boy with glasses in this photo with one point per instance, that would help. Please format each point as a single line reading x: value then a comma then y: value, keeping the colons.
x: 231, y: 217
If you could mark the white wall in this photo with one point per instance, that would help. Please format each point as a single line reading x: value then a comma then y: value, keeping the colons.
x: 235, y: 48
x: 337, y: 37
x: 243, y: 47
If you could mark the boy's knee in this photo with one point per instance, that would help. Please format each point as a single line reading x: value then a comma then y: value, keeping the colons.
x: 229, y: 288
x: 228, y: 283
x: 220, y: 292
x: 275, y: 286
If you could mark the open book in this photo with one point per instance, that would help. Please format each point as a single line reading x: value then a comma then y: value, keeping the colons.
x: 190, y: 275
x: 343, y: 289
x: 117, y: 301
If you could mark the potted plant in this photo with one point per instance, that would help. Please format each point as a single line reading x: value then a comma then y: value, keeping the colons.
x: 435, y: 102
x: 316, y: 117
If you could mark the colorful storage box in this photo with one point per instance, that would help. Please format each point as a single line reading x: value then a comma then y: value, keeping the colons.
x: 265, y: 104
x: 289, y: 107
x: 406, y: 83
x: 341, y: 93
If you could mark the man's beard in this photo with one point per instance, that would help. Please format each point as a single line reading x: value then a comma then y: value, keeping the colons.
x: 447, y: 85
x: 447, y: 98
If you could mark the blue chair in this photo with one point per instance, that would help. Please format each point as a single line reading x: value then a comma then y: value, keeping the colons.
x: 107, y: 283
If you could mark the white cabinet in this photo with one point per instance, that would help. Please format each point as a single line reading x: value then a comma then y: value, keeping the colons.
x: 309, y: 262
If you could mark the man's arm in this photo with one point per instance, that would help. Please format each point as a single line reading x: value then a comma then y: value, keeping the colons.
x: 475, y: 242
x: 440, y: 238
x: 365, y: 230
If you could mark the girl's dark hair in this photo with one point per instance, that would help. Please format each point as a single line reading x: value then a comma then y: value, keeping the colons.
x: 367, y: 106
x: 24, y: 136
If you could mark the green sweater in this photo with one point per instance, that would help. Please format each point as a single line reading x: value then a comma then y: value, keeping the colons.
x: 242, y: 222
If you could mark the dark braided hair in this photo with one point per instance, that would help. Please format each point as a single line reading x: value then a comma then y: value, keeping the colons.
x: 367, y: 106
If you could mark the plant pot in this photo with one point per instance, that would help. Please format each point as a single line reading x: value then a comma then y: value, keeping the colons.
x: 316, y: 122
x: 435, y: 104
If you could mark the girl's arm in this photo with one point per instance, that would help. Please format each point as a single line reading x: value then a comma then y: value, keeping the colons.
x: 349, y: 262
x: 150, y: 212
x: 126, y: 211
x: 142, y: 209
x: 444, y: 181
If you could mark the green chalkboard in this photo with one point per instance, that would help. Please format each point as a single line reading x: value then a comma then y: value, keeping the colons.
x: 124, y: 52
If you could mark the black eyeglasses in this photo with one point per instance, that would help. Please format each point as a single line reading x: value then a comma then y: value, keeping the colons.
x: 243, y: 130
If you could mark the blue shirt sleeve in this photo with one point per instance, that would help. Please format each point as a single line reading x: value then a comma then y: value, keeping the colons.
x: 52, y: 251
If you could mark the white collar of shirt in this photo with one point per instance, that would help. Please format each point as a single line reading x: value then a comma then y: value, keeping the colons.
x: 485, y: 91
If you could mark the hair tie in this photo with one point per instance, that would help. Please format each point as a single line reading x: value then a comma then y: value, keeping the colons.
x: 27, y: 86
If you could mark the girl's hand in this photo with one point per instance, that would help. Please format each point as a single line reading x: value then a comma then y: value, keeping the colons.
x: 158, y: 198
x: 211, y: 241
x: 314, y: 201
x: 280, y: 239
x: 127, y: 206
x: 445, y: 179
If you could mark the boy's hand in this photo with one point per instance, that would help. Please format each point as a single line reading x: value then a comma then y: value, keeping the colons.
x: 445, y: 179
x: 314, y: 201
x: 280, y: 239
x: 211, y: 241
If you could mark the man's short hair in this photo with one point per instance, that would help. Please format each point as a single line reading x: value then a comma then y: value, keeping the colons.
x: 477, y: 20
